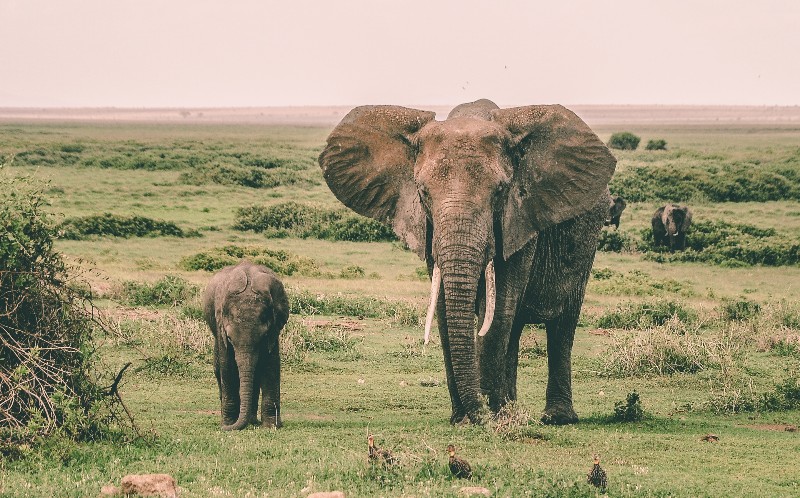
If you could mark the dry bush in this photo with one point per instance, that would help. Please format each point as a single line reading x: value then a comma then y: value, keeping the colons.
x: 674, y: 347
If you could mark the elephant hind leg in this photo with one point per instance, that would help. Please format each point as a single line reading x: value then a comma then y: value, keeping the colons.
x: 229, y: 387
x: 271, y: 390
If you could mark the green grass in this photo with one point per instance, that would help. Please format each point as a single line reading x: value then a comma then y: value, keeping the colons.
x: 353, y: 355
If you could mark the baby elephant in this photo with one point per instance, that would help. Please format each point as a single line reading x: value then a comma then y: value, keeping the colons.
x: 246, y: 308
x: 615, y: 209
x: 670, y: 224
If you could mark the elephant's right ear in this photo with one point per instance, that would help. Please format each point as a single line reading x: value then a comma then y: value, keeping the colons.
x: 369, y: 166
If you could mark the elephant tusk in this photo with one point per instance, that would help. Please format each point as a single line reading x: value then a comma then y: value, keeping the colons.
x: 491, y: 297
x: 436, y: 281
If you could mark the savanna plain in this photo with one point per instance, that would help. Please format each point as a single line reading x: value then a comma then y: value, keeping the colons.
x: 708, y: 339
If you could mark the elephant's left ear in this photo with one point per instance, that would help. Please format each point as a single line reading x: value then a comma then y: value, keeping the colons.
x: 562, y: 170
x: 368, y: 164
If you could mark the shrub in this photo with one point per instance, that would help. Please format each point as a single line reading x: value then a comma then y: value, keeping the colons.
x: 615, y: 241
x: 306, y: 221
x: 658, y: 144
x: 726, y: 183
x: 739, y: 309
x: 253, y: 177
x: 80, y: 228
x: 648, y: 314
x: 306, y: 303
x: 282, y: 262
x: 48, y: 381
x: 635, y: 283
x: 169, y: 291
x: 624, y: 141
x: 629, y: 410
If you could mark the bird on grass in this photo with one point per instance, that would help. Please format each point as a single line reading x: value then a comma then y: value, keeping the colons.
x: 378, y: 455
x: 458, y: 466
x: 597, y: 476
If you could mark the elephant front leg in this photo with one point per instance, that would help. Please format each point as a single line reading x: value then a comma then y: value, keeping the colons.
x: 271, y: 389
x: 560, y: 335
x: 512, y: 358
x: 228, y: 380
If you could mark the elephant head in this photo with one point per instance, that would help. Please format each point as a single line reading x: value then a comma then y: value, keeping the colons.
x: 615, y: 209
x: 466, y: 192
x: 676, y: 220
x: 246, y: 308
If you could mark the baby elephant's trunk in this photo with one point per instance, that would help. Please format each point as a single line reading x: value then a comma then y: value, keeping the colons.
x: 246, y: 392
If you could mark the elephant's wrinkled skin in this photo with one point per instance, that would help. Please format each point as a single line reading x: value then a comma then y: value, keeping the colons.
x: 615, y: 209
x: 670, y: 224
x: 246, y: 307
x: 524, y: 189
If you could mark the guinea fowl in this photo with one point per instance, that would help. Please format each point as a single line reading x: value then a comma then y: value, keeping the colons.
x: 378, y: 455
x: 597, y: 476
x: 458, y: 466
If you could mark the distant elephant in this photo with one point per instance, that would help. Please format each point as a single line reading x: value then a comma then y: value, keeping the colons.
x: 505, y: 206
x: 246, y: 307
x: 670, y: 224
x: 615, y: 209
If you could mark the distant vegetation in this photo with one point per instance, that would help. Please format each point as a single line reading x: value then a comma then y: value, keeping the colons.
x: 716, y: 183
x: 715, y: 242
x: 106, y: 224
x: 300, y: 220
x: 657, y: 144
x: 624, y: 141
x: 282, y: 262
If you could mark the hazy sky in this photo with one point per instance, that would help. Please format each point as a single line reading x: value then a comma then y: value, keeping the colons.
x: 175, y: 53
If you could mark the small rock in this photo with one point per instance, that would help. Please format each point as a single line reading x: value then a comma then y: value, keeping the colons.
x: 403, y: 383
x: 109, y: 490
x: 711, y: 438
x: 361, y: 381
x: 163, y: 485
x: 601, y: 393
x: 326, y: 494
x: 474, y: 490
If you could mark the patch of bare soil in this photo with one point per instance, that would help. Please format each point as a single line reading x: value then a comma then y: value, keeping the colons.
x: 338, y: 324
x: 773, y: 427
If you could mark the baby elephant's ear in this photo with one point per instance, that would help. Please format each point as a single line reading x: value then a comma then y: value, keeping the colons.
x: 368, y: 164
x: 562, y: 170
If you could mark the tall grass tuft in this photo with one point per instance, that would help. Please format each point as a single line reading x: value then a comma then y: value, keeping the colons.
x: 652, y: 313
x: 303, y: 302
x: 669, y: 349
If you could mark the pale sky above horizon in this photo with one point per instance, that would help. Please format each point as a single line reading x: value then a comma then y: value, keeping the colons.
x: 236, y: 53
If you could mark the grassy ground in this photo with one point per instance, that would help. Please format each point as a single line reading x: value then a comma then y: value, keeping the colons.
x: 372, y: 374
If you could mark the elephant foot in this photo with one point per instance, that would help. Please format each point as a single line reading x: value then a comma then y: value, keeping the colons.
x: 271, y: 422
x: 559, y: 415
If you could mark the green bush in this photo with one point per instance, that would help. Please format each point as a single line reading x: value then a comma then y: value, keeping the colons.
x: 625, y: 141
x: 281, y: 262
x: 48, y: 381
x: 739, y: 310
x: 726, y: 183
x: 80, y: 228
x: 253, y: 177
x: 615, y: 241
x: 169, y: 291
x: 658, y: 144
x: 300, y: 220
x: 647, y: 314
x: 629, y: 410
x: 635, y: 283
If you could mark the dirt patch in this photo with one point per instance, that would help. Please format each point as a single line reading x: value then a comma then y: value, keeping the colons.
x: 343, y: 324
x: 773, y: 427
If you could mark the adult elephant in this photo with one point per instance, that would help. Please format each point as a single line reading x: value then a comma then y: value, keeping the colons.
x: 506, y: 200
x: 670, y: 224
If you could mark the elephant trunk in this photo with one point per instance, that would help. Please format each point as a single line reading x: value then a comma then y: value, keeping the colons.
x: 246, y: 367
x: 462, y: 256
